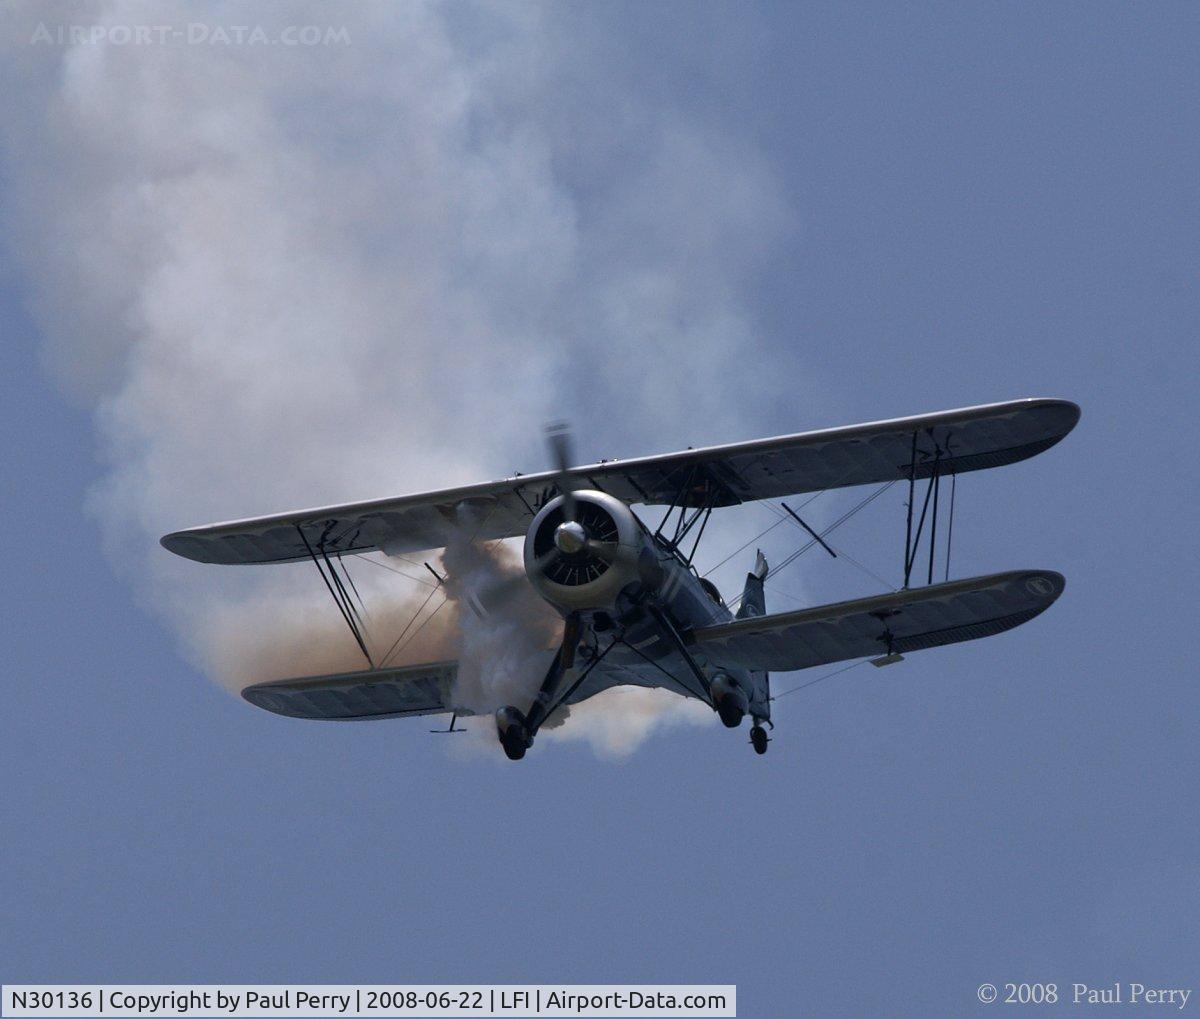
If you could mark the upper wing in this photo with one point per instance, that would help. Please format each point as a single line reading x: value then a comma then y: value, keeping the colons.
x: 955, y: 440
x: 378, y: 693
x: 919, y: 618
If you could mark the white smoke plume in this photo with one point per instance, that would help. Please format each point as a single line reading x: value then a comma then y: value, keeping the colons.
x: 287, y: 276
x: 502, y: 642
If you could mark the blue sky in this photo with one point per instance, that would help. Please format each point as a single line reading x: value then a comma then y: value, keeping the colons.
x: 674, y: 226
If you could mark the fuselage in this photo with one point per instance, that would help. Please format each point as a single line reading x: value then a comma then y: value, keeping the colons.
x: 623, y: 601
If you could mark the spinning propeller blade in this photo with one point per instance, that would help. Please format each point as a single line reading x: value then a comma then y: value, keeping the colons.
x: 558, y: 437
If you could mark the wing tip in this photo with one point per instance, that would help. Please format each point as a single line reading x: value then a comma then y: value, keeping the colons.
x: 200, y: 545
x: 186, y: 545
x: 172, y: 543
x: 1070, y: 406
x: 1069, y: 409
x: 1046, y: 585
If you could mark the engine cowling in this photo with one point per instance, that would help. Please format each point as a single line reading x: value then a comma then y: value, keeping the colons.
x: 571, y: 572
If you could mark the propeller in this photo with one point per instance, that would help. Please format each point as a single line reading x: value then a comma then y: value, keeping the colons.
x: 558, y: 437
x: 571, y: 536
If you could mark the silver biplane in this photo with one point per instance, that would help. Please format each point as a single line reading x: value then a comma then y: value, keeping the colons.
x: 635, y: 610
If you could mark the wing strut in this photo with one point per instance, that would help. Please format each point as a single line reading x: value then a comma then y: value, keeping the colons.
x: 337, y: 592
x: 913, y: 540
x: 578, y: 682
x: 950, y: 528
x: 674, y: 679
x: 937, y: 493
x: 933, y: 492
x: 685, y: 522
x: 912, y: 484
x: 667, y: 628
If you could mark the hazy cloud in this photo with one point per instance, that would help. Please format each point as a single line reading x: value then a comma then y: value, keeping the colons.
x: 289, y: 276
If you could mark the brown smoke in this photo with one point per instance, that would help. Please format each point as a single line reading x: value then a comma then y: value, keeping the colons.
x: 284, y: 636
x: 502, y: 650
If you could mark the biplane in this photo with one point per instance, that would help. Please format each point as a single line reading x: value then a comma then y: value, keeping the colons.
x: 634, y: 609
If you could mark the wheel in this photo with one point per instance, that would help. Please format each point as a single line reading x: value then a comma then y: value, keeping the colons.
x: 759, y: 739
x: 731, y: 712
x: 513, y: 733
x: 515, y: 740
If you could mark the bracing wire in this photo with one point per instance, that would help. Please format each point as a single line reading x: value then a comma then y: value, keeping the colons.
x: 762, y: 534
x: 441, y: 605
x: 842, y: 554
x: 353, y: 586
x: 836, y: 524
x: 742, y: 548
x: 392, y: 569
x: 865, y: 569
x: 821, y: 679
x: 674, y: 679
x: 782, y: 517
x: 862, y: 504
x: 396, y: 643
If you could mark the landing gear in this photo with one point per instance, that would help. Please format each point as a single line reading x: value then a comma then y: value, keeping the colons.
x: 731, y: 701
x: 731, y: 712
x: 516, y: 729
x: 759, y: 739
x: 514, y: 747
x: 513, y: 731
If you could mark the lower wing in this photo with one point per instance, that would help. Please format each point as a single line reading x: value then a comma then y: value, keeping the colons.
x: 899, y: 622
x: 378, y: 693
x: 891, y: 623
x: 420, y: 690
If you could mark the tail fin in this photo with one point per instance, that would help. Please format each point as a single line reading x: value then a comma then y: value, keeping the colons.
x: 754, y: 601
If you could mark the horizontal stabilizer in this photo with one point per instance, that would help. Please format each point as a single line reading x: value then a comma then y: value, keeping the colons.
x: 884, y: 624
x: 949, y: 441
x: 377, y: 693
